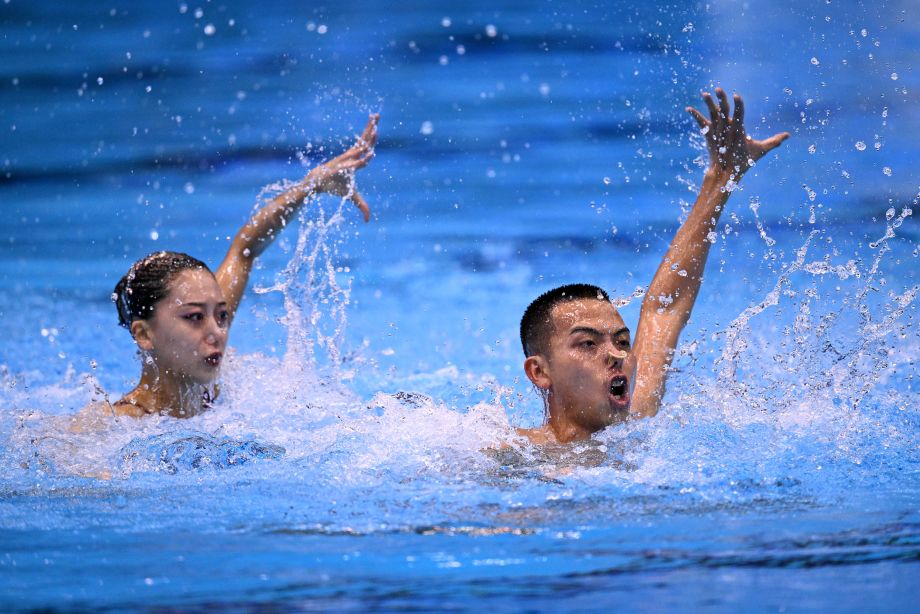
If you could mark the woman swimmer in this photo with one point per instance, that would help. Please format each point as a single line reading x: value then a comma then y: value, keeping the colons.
x: 179, y: 312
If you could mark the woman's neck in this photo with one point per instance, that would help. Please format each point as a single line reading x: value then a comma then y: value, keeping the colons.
x: 163, y: 393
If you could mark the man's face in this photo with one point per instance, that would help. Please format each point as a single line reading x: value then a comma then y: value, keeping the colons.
x: 587, y: 351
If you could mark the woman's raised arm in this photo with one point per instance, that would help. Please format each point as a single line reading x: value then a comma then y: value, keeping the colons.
x: 335, y: 177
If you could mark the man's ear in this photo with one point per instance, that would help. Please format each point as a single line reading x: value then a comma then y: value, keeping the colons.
x: 143, y: 336
x: 537, y: 370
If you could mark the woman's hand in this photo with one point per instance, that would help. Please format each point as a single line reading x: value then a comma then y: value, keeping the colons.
x: 337, y: 175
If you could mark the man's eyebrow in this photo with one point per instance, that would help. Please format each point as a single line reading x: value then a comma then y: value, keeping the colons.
x: 595, y: 332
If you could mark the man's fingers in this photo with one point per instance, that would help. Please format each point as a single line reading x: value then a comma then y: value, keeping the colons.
x: 362, y: 205
x: 698, y: 117
x: 713, y: 109
x: 724, y: 110
x: 738, y: 118
x: 774, y: 141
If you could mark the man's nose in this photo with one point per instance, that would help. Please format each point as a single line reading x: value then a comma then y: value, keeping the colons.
x: 615, y: 356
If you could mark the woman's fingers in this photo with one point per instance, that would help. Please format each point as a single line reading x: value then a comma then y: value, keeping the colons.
x: 369, y: 136
x: 362, y: 205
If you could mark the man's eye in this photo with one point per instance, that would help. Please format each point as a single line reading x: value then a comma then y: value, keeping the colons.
x: 623, y: 343
x: 194, y: 317
x: 587, y: 343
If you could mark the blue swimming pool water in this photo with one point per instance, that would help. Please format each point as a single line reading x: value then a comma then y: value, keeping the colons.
x: 521, y: 148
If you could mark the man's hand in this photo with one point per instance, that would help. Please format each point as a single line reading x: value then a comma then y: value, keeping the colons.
x: 731, y: 150
x: 337, y: 175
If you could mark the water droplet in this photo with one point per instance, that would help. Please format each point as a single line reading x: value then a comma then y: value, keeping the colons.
x: 894, y: 76
x: 189, y: 188
x: 704, y: 130
x: 860, y: 146
x: 815, y: 61
x: 544, y: 89
x: 887, y: 171
x: 607, y: 181
x: 443, y: 60
x: 322, y: 28
x: 209, y: 30
x: 427, y: 128
x: 445, y: 22
x: 491, y: 31
x: 154, y: 235
x: 99, y: 81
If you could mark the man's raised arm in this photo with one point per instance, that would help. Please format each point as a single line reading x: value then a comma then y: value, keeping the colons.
x: 672, y: 293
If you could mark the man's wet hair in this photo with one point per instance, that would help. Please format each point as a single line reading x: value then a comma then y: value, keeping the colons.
x: 148, y: 282
x: 537, y: 323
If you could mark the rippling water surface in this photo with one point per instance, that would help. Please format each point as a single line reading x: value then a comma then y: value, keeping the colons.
x: 362, y: 453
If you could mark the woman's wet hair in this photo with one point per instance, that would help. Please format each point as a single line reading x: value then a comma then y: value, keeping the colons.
x: 537, y: 324
x: 147, y: 282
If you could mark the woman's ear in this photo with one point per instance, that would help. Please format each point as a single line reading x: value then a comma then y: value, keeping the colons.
x: 143, y: 336
x: 537, y: 370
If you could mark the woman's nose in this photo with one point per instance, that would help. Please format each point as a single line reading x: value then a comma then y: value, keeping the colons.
x: 215, y: 332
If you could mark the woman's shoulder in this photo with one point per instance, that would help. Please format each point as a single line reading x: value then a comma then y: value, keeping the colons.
x: 99, y: 415
x: 94, y: 417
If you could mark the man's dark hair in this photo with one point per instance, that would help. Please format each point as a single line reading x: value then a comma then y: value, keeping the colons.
x: 147, y: 283
x: 537, y: 324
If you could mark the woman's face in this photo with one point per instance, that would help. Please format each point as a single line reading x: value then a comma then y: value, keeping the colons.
x: 188, y: 330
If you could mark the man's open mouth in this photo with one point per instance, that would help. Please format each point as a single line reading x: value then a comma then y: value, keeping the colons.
x: 213, y: 359
x: 619, y: 387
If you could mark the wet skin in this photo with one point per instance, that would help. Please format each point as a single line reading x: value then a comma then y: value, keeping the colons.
x: 586, y: 370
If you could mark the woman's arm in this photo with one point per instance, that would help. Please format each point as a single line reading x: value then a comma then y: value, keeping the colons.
x: 335, y: 176
x: 673, y: 291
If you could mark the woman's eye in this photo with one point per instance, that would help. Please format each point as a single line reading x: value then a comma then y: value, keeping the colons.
x: 223, y: 316
x: 194, y: 317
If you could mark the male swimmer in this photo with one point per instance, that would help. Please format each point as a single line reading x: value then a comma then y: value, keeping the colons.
x: 577, y: 347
